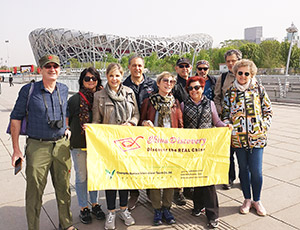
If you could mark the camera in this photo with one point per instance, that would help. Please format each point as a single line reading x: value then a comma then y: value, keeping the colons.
x: 55, y: 124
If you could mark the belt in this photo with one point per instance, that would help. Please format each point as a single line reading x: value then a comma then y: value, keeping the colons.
x: 49, y: 139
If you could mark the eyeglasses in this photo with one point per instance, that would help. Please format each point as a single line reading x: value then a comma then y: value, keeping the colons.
x: 165, y: 80
x: 196, y: 87
x: 49, y: 66
x: 202, y: 68
x: 87, y: 79
x: 184, y: 66
x: 241, y: 73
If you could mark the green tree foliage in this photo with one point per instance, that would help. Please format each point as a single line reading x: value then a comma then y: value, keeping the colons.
x: 233, y: 43
x: 251, y: 51
x: 270, y: 54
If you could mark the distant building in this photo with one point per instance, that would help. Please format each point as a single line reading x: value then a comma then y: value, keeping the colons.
x: 253, y: 34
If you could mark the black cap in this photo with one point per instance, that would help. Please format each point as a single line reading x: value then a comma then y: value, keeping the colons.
x: 183, y: 61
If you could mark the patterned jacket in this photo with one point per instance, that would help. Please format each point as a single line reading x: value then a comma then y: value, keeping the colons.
x: 250, y: 113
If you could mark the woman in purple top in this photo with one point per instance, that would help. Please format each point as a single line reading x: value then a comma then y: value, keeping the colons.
x: 199, y: 113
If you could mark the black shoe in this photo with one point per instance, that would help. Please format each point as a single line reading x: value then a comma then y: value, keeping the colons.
x: 157, y: 217
x: 179, y: 199
x: 228, y: 186
x: 167, y: 215
x: 213, y: 223
x: 198, y: 212
x: 97, y: 211
x: 85, y: 216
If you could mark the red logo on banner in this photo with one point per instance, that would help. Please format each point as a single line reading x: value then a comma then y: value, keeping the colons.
x: 128, y: 144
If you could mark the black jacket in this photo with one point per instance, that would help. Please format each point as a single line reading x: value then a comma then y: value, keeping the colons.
x: 179, y: 91
x: 143, y: 90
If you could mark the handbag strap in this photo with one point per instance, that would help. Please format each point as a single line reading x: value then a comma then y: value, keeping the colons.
x: 84, y: 98
x: 29, y: 95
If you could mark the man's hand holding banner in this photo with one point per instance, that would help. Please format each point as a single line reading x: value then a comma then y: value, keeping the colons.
x: 126, y: 157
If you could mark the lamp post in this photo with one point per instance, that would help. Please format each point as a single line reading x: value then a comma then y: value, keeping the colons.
x: 292, y: 29
x: 7, y: 42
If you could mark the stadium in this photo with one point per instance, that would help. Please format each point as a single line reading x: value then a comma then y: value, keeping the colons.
x: 90, y: 47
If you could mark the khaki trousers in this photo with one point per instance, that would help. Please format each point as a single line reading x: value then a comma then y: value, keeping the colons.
x: 42, y: 157
x: 165, y: 200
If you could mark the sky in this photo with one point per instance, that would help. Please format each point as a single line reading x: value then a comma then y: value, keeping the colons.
x: 221, y: 19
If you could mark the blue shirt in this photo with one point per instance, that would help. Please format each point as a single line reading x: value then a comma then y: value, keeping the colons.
x: 208, y: 91
x: 37, y: 126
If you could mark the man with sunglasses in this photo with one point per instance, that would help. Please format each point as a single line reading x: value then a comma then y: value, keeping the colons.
x: 222, y: 84
x: 183, y: 69
x: 202, y: 69
x: 142, y: 87
x: 47, y: 145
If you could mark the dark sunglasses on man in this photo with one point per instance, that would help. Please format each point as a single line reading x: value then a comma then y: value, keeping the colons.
x: 202, y: 68
x: 49, y: 66
x: 181, y: 66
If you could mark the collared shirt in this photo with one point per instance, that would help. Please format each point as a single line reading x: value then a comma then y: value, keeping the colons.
x: 37, y: 126
x: 143, y: 90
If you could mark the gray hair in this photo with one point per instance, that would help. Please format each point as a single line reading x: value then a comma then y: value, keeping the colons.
x: 238, y: 54
x: 135, y: 56
x: 245, y: 63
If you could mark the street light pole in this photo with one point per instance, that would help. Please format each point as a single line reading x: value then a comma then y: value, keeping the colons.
x: 292, y: 29
x: 7, y: 42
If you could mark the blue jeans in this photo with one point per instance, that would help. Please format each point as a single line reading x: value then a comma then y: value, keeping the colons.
x: 79, y: 159
x: 250, y: 167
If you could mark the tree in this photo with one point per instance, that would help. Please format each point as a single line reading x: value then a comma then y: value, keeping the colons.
x: 74, y: 63
x: 270, y: 54
x: 252, y: 51
x: 236, y: 43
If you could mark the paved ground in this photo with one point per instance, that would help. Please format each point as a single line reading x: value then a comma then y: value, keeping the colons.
x: 280, y: 195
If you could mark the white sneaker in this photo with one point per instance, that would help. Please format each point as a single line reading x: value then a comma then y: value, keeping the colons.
x: 244, y: 209
x: 125, y: 215
x: 110, y: 222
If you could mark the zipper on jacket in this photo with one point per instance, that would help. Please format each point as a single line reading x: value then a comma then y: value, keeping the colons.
x: 246, y: 122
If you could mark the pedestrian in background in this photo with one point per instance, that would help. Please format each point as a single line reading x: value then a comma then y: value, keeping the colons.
x: 10, y: 79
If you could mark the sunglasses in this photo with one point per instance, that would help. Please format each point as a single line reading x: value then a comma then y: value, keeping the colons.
x: 165, y: 80
x: 241, y: 73
x: 196, y: 87
x: 202, y: 68
x: 49, y: 66
x: 87, y: 79
x: 184, y: 66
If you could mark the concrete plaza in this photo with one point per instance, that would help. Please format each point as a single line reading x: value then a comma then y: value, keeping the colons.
x: 280, y: 195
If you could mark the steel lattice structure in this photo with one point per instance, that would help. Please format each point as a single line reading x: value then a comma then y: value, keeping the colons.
x: 89, y: 47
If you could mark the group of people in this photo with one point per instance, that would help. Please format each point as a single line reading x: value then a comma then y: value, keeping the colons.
x: 56, y: 127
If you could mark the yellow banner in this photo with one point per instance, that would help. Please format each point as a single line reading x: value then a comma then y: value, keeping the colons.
x: 126, y: 157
